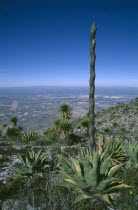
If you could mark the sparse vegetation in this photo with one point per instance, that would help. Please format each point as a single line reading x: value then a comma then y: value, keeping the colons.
x: 121, y: 157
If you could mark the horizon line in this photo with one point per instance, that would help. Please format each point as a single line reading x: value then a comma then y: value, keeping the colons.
x: 32, y: 86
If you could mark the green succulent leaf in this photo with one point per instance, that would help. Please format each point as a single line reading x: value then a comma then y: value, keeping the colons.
x: 31, y: 154
x: 38, y: 154
x: 104, y: 165
x: 117, y: 187
x: 76, y: 166
x: 22, y: 160
x: 113, y: 170
x: 105, y: 198
x: 28, y: 163
x: 81, y: 197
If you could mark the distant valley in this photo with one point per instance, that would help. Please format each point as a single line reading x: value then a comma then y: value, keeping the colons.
x: 36, y: 107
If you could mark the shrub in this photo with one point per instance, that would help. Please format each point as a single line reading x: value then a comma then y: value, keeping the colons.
x: 12, y: 133
x: 85, y: 123
x: 106, y: 129
x: 115, y: 124
x: 78, y: 126
x: 51, y: 133
x: 123, y: 128
x: 98, y: 123
x: 74, y: 139
x: 44, y: 141
x: 14, y: 121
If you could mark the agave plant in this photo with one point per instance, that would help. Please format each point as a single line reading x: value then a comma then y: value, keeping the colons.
x: 92, y: 177
x: 132, y: 151
x: 32, y: 164
x: 115, y: 148
x: 30, y: 136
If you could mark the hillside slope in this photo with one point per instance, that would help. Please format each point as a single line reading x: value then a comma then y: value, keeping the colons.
x: 119, y: 121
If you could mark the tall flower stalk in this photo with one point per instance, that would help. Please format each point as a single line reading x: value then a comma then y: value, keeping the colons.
x: 92, y: 86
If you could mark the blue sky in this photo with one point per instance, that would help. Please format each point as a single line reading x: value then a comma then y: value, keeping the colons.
x: 46, y: 42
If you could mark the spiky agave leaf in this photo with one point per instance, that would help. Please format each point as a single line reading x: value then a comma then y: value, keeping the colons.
x: 36, y: 156
x: 31, y: 154
x: 82, y: 197
x: 28, y: 163
x: 22, y: 170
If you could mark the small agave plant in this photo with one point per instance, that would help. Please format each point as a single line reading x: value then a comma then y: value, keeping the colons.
x: 31, y: 165
x: 92, y: 177
x: 29, y: 136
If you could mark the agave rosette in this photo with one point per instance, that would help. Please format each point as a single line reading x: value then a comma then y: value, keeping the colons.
x: 32, y: 164
x: 92, y: 177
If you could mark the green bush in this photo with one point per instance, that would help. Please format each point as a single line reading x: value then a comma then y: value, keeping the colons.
x: 85, y: 123
x: 115, y: 124
x: 74, y: 138
x: 51, y: 133
x: 78, y: 127
x: 98, y: 123
x: 123, y: 128
x: 12, y: 132
x: 106, y: 129
x: 42, y: 140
